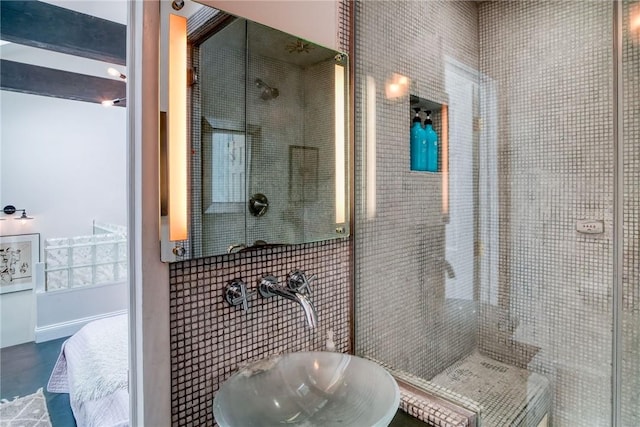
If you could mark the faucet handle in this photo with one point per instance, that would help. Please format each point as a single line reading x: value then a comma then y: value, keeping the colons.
x: 297, y: 281
x: 236, y: 294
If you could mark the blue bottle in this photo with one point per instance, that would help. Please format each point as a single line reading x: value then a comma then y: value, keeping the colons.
x: 431, y: 152
x: 418, y: 149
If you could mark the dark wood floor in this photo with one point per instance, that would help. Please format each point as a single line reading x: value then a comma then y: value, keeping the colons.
x: 25, y: 368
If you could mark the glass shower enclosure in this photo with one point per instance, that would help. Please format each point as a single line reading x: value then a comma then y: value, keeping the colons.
x: 507, y: 282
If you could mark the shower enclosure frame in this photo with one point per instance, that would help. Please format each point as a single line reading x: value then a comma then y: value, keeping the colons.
x: 618, y: 210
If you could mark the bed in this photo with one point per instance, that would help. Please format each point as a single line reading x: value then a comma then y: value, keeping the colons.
x: 93, y: 368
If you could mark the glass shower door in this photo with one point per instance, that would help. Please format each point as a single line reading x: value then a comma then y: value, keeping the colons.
x: 510, y: 305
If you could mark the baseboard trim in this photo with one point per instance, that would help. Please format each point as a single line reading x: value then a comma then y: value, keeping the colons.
x: 65, y: 329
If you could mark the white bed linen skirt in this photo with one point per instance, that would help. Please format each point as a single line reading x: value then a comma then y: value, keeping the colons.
x: 93, y: 368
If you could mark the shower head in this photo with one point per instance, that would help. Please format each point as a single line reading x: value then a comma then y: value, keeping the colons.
x: 267, y: 92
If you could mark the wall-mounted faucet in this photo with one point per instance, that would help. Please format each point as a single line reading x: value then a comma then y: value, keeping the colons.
x: 297, y: 290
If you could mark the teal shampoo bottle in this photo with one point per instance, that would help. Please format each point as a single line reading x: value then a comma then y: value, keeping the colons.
x: 431, y: 139
x: 418, y: 148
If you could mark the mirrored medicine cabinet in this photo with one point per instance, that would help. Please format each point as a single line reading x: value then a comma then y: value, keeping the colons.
x: 267, y: 138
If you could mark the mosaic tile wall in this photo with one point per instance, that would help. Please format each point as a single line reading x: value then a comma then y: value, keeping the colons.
x: 409, y: 313
x: 552, y: 65
x: 298, y: 119
x: 298, y: 127
x: 222, y: 65
x: 319, y: 213
x: 541, y: 292
x: 210, y: 339
x: 631, y: 213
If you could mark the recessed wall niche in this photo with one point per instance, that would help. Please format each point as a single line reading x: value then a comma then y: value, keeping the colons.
x: 431, y: 153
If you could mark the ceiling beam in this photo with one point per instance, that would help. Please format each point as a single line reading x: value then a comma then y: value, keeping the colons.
x: 35, y: 80
x: 50, y: 27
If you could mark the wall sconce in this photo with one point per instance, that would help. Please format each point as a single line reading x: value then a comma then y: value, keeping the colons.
x: 397, y: 86
x: 112, y: 102
x: 177, y: 128
x: 340, y: 144
x: 10, y: 210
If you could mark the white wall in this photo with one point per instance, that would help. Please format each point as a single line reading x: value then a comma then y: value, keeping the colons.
x: 314, y: 20
x: 62, y: 313
x: 17, y: 318
x: 65, y: 162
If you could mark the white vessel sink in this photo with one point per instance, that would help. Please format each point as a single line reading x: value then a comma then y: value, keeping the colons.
x: 308, y: 389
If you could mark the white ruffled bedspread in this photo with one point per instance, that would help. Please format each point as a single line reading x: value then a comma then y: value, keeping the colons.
x: 93, y: 368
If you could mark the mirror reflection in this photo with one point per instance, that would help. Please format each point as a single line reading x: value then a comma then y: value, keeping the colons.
x: 268, y: 134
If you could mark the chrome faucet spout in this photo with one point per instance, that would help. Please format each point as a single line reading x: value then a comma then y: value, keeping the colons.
x: 269, y: 287
x: 309, y: 310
